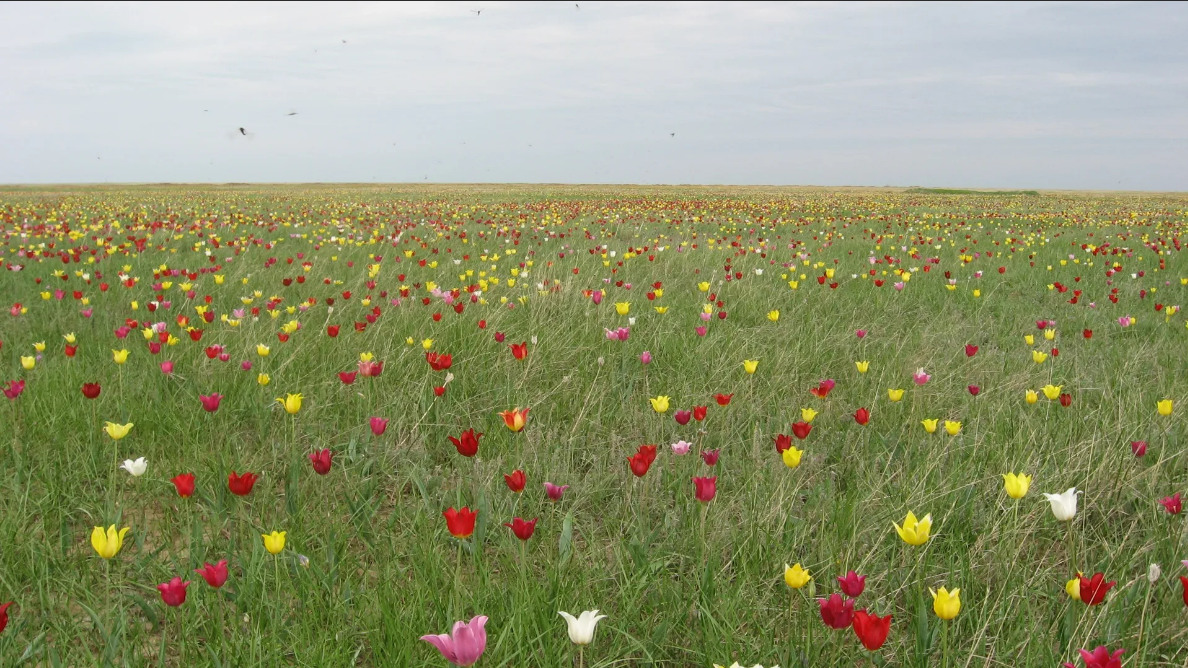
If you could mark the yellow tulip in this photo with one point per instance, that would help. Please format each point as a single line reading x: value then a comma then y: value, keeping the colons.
x: 1073, y: 587
x: 807, y: 414
x: 952, y: 427
x: 1052, y: 392
x: 1038, y: 357
x: 792, y: 456
x: 70, y: 338
x: 661, y: 309
x: 895, y: 395
x: 119, y: 356
x: 930, y: 425
x: 262, y: 350
x: 107, y: 543
x: 1164, y: 407
x: 1049, y: 334
x: 427, y: 343
x: 914, y: 532
x: 796, y: 576
x: 1016, y: 486
x: 263, y: 379
x: 117, y: 431
x: 291, y: 402
x: 862, y: 366
x: 274, y: 542
x: 659, y: 404
x: 773, y: 316
x: 946, y: 604
x: 977, y: 293
x: 366, y: 357
x: 39, y: 346
x: 750, y: 365
x: 409, y: 341
x: 622, y: 307
x: 1029, y: 339
x: 703, y: 286
x: 1032, y: 396
x: 28, y: 362
x: 219, y: 279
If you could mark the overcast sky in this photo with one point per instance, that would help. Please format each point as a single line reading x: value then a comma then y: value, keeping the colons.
x: 1088, y: 96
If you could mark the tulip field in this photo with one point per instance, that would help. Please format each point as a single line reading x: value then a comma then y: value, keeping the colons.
x: 530, y: 426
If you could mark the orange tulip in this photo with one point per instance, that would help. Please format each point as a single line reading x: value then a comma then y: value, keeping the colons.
x: 515, y: 419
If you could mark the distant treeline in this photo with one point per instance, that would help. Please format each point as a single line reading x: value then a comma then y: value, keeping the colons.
x: 955, y: 191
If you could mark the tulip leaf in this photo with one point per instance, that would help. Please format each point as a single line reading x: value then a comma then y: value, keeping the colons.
x: 32, y: 649
x: 147, y: 609
x: 565, y: 542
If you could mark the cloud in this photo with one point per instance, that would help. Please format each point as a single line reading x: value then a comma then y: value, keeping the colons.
x: 1010, y: 95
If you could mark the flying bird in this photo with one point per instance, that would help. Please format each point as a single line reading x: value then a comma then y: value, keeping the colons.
x: 243, y: 132
x: 344, y: 41
x: 671, y: 134
x: 579, y: 8
x: 291, y: 113
x: 476, y: 12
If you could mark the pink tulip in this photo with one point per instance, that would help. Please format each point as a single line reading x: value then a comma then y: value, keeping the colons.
x: 705, y: 316
x: 899, y: 286
x: 210, y: 403
x: 596, y: 297
x: 246, y: 365
x: 700, y: 329
x: 378, y: 425
x: 167, y: 367
x: 645, y: 357
x: 465, y: 644
x: 554, y: 492
x: 681, y: 448
x: 920, y: 377
x: 860, y: 333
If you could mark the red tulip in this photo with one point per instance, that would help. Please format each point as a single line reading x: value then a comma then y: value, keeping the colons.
x: 861, y: 416
x: 4, y: 616
x: 1139, y: 448
x: 210, y: 403
x: 852, y: 584
x: 723, y: 399
x: 1183, y: 582
x: 371, y: 369
x: 439, y: 362
x: 14, y: 389
x: 801, y: 429
x: 241, y: 485
x: 1100, y: 658
x: 642, y: 460
x: 519, y: 350
x: 173, y: 592
x: 1172, y: 504
x: 467, y: 443
x: 91, y: 390
x: 500, y: 337
x: 782, y: 443
x: 347, y: 377
x: 71, y: 350
x: 460, y: 523
x: 321, y: 461
x: 332, y: 330
x: 216, y: 575
x: 439, y: 390
x: 184, y: 483
x: 871, y: 629
x: 682, y: 417
x: 1088, y: 333
x: 516, y: 480
x: 705, y: 488
x: 378, y: 425
x: 699, y: 412
x: 1066, y: 400
x: 710, y: 457
x: 1093, y: 590
x: 974, y: 390
x: 970, y: 351
x: 523, y: 530
x: 836, y: 612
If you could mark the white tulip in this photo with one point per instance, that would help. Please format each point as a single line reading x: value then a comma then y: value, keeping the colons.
x: 736, y: 665
x: 1153, y: 573
x: 581, y: 630
x: 136, y: 468
x: 1064, y: 506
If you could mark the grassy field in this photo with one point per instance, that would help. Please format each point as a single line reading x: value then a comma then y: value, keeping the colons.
x: 787, y: 278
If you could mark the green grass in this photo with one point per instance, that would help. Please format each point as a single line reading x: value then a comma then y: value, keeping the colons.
x: 381, y: 565
x: 958, y: 191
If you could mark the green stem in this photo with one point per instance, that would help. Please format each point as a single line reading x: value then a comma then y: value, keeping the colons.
x: 945, y: 644
x: 808, y: 650
x: 1143, y: 627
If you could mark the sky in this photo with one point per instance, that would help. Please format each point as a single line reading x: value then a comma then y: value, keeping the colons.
x: 1013, y: 95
